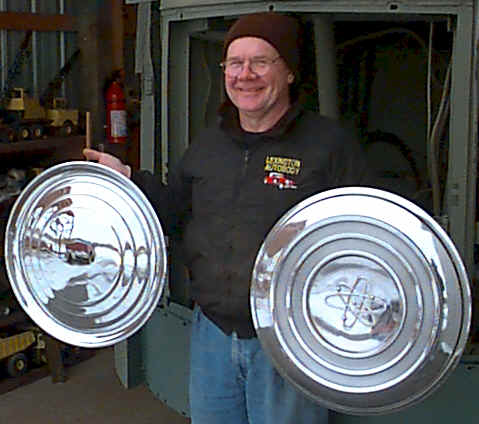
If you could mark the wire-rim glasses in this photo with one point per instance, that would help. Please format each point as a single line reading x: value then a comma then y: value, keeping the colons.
x: 259, y: 66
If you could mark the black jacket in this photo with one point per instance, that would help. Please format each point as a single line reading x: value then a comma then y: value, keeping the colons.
x: 225, y: 197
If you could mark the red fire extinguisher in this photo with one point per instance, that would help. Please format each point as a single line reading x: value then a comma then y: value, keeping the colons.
x: 116, y: 125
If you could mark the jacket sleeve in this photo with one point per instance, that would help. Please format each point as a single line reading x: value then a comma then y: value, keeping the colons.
x: 179, y: 200
x: 172, y: 201
x: 155, y: 191
x: 349, y: 166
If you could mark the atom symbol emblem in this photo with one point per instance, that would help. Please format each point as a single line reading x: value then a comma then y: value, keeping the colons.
x: 357, y: 303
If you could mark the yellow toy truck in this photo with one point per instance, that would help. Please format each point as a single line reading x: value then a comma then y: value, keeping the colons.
x: 25, y: 118
x: 18, y: 350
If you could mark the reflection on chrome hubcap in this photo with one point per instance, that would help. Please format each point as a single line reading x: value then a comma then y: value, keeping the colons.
x: 361, y: 300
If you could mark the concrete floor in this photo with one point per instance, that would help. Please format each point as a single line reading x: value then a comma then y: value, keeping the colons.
x: 92, y: 394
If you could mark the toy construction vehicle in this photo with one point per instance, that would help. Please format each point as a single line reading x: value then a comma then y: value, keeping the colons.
x: 17, y: 351
x: 24, y: 118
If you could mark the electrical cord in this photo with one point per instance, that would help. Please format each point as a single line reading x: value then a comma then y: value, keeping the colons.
x: 434, y: 130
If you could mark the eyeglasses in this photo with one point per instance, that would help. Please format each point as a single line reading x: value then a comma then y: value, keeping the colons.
x: 258, y: 66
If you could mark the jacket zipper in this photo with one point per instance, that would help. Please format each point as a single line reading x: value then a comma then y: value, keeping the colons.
x: 241, y: 176
x: 236, y: 193
x: 245, y: 162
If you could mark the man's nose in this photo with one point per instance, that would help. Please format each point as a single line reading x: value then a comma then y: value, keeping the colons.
x: 246, y: 71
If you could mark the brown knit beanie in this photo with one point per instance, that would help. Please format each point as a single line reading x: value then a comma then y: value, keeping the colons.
x: 281, y: 31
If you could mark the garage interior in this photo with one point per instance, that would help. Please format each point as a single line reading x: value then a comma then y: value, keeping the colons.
x: 401, y: 75
x: 91, y: 394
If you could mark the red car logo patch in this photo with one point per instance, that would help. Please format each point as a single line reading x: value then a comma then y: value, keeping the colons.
x: 279, y: 180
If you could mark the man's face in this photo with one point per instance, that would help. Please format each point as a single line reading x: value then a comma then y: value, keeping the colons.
x: 254, y: 95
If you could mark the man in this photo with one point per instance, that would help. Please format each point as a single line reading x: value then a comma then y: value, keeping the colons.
x: 234, y: 182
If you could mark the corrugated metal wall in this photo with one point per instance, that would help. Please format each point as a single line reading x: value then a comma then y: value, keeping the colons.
x: 48, y: 51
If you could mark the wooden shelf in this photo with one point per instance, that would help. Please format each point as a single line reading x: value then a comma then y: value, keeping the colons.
x: 35, y: 146
x: 37, y: 153
x: 21, y: 21
x: 43, y: 153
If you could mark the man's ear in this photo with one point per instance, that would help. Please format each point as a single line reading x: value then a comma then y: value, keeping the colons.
x: 290, y: 78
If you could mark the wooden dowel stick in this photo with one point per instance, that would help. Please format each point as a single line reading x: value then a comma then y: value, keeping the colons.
x: 88, y: 131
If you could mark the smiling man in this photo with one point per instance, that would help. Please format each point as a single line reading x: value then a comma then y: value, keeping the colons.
x: 257, y: 76
x: 237, y: 178
x: 260, y: 93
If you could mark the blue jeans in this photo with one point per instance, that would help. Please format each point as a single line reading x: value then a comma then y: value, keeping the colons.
x: 232, y: 381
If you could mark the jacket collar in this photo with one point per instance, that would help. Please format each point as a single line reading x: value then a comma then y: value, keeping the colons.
x: 229, y: 124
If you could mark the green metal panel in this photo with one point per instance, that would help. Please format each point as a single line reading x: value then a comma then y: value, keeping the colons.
x: 166, y: 339
x: 188, y: 9
x: 144, y: 67
x: 390, y: 4
x: 463, y: 131
x: 330, y: 5
x: 454, y: 402
x: 129, y: 361
x: 461, y: 190
x: 179, y: 87
x: 166, y: 366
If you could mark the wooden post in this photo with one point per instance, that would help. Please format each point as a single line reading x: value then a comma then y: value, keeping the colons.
x: 54, y: 358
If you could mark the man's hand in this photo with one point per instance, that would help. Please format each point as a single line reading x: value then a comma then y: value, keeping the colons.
x: 107, y: 160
